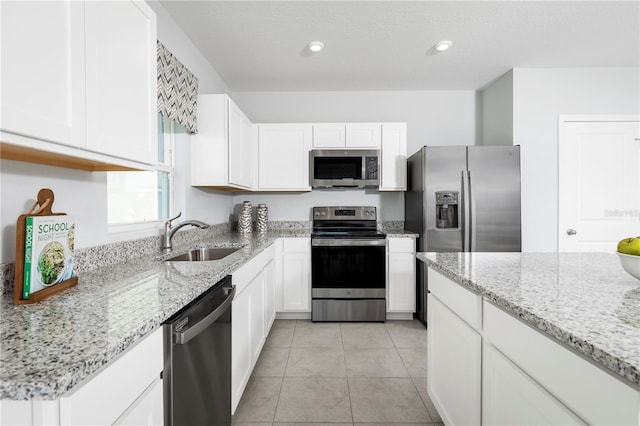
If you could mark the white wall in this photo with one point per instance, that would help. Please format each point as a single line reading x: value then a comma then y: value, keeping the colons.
x: 174, y: 39
x: 78, y: 193
x: 540, y: 96
x: 298, y: 206
x: 433, y: 118
x: 497, y: 112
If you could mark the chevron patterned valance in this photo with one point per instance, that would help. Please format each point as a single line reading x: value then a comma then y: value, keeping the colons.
x: 177, y: 90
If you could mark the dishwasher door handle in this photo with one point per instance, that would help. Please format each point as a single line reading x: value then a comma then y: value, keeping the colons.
x: 185, y: 336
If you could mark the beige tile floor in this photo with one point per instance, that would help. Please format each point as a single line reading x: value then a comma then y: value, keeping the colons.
x: 340, y: 374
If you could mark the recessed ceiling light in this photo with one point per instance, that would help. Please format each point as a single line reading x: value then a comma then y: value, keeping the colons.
x: 316, y: 46
x: 443, y: 45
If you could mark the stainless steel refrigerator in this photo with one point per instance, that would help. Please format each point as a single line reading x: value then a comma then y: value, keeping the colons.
x: 462, y: 198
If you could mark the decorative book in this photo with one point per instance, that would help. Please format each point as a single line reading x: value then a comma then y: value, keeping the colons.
x: 44, y: 252
x: 48, y: 252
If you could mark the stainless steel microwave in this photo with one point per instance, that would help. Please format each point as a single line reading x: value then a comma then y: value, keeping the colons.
x: 339, y: 168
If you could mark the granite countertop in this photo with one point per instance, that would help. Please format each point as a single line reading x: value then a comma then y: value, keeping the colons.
x: 585, y: 301
x: 50, y: 347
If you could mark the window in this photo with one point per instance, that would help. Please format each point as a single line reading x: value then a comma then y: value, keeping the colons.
x: 137, y: 197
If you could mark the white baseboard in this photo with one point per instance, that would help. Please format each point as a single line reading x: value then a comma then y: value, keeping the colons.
x: 399, y: 316
x: 293, y: 315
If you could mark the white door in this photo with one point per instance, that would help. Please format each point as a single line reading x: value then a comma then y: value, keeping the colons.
x: 599, y: 184
x: 43, y: 70
x: 453, y: 365
x: 393, y: 157
x: 240, y: 161
x: 240, y: 345
x: 511, y: 397
x: 269, y: 296
x: 121, y: 79
x: 283, y: 151
x: 363, y: 135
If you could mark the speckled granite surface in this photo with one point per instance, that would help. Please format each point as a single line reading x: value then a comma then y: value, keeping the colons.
x: 48, y: 348
x: 586, y: 301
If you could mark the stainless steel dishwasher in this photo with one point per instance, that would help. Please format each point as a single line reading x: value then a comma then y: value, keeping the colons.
x: 197, y: 360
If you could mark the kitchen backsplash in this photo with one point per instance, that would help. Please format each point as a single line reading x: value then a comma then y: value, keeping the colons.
x: 91, y: 258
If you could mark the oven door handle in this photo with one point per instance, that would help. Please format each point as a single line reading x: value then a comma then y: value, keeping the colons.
x: 342, y: 242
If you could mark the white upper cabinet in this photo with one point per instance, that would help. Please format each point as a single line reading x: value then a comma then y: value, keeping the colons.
x: 283, y: 157
x: 347, y: 135
x: 221, y: 151
x: 363, y: 135
x: 121, y: 79
x: 393, y: 157
x: 240, y: 148
x: 79, y: 84
x: 329, y: 135
x: 43, y: 70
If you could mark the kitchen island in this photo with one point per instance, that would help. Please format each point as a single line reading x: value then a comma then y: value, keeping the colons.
x: 544, y: 315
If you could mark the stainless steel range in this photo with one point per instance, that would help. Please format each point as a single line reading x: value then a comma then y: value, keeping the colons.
x: 348, y: 267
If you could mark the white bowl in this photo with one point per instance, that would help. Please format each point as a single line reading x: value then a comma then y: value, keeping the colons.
x: 630, y: 263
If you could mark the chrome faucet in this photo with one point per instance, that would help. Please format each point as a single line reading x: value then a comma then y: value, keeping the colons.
x: 169, y: 231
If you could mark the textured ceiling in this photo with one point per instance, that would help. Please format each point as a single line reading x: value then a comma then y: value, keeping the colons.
x: 387, y: 45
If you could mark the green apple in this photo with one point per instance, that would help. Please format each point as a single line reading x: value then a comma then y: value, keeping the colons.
x: 630, y: 246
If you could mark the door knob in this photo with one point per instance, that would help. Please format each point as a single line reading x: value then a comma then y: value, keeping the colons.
x: 571, y: 231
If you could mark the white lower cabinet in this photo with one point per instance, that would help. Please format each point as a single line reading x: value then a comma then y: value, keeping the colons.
x: 478, y: 352
x: 146, y: 410
x: 139, y: 368
x: 126, y: 391
x: 269, y: 295
x: 511, y: 397
x: 401, y: 275
x: 592, y: 394
x: 296, y: 275
x: 257, y: 308
x: 252, y: 314
x: 453, y: 365
x: 240, y: 346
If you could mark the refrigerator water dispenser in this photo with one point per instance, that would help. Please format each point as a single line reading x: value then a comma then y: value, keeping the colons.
x: 446, y: 209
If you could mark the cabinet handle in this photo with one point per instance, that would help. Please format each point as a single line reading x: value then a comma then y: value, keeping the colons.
x: 571, y: 231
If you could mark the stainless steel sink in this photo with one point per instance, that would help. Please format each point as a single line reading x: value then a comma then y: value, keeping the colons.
x: 200, y: 254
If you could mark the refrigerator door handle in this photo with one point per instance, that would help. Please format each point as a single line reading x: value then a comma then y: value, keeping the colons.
x: 466, y: 204
x: 472, y: 214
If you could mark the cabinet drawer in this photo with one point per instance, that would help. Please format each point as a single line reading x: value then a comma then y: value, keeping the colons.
x: 106, y: 396
x: 247, y: 272
x: 461, y: 301
x: 595, y: 395
x: 511, y: 397
x: 401, y: 245
x: 296, y: 245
